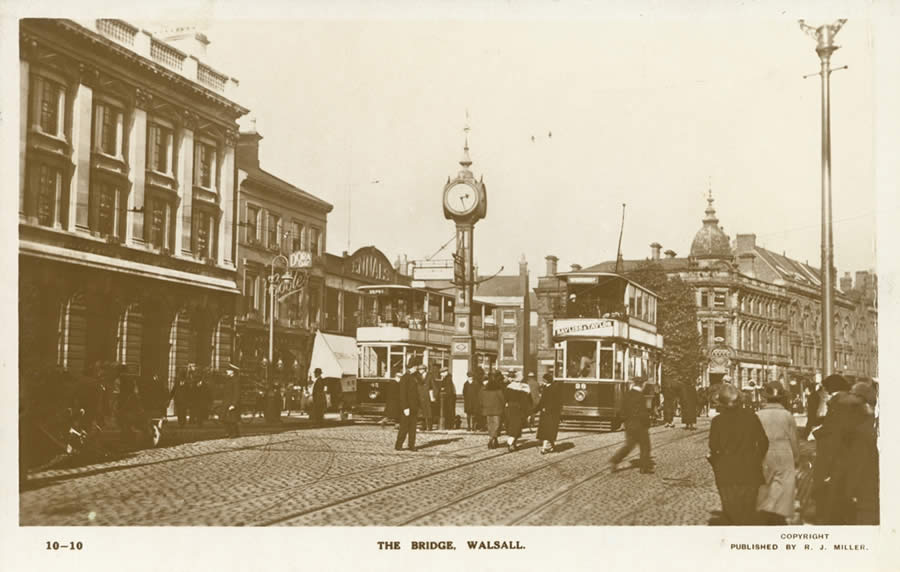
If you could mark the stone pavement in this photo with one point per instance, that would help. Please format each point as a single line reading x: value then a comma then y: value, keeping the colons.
x: 351, y: 475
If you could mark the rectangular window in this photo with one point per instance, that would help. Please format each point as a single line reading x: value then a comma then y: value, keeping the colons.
x: 205, y: 234
x: 508, y: 349
x: 509, y: 317
x: 50, y: 97
x: 160, y: 223
x: 107, y: 209
x: 204, y: 159
x: 704, y: 299
x: 704, y: 334
x: 314, y: 238
x: 719, y: 299
x: 252, y: 223
x: 296, y: 236
x: 719, y: 331
x: 272, y: 230
x: 49, y: 187
x: 250, y: 292
x: 159, y: 143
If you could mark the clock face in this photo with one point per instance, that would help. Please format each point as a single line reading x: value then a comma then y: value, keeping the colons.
x: 461, y: 199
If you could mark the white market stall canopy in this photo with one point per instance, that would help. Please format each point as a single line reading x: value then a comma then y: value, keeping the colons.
x: 336, y: 355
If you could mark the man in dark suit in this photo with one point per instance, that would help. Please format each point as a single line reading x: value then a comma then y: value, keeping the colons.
x: 637, y: 426
x: 408, y: 400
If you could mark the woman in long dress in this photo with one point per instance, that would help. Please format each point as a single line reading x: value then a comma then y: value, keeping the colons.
x: 518, y: 405
x: 775, y: 501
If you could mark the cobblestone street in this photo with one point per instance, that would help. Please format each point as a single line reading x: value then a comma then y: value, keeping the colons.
x: 351, y: 475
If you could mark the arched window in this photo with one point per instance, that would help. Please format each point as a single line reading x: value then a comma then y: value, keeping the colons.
x: 222, y: 342
x: 72, y: 338
x: 181, y: 344
x: 129, y: 338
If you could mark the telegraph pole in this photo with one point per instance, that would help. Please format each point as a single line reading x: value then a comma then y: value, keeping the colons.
x: 824, y: 36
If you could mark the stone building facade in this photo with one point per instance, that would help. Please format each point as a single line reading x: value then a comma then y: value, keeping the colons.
x: 758, y: 312
x: 126, y: 200
x: 277, y: 219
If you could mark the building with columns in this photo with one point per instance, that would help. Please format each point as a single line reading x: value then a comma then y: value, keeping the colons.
x: 126, y: 200
x: 277, y: 219
x: 758, y: 312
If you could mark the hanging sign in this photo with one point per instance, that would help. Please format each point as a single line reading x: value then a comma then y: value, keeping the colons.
x: 300, y: 259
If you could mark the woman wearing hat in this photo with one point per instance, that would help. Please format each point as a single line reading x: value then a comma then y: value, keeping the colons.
x: 518, y: 403
x: 550, y: 407
x: 775, y: 500
x: 737, y: 446
x: 848, y: 465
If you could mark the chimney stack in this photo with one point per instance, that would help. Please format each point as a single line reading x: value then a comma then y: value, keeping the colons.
x: 247, y: 151
x: 523, y: 266
x: 747, y: 263
x: 670, y: 253
x: 846, y: 283
x: 575, y: 267
x: 745, y: 243
x: 551, y: 264
x: 654, y: 250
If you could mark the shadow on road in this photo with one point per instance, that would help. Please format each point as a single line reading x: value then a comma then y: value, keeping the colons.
x: 437, y: 442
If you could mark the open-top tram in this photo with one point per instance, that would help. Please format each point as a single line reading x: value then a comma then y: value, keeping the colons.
x: 400, y: 322
x: 605, y: 337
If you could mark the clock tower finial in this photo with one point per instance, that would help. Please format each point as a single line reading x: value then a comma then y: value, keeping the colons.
x: 466, y: 160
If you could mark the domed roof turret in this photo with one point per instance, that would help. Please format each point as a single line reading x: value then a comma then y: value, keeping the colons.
x: 711, y: 241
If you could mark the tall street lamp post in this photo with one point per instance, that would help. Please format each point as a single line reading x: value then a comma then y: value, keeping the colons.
x: 824, y: 36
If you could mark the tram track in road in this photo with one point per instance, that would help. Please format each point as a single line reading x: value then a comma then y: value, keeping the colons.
x: 384, y: 488
x: 548, y: 504
x: 491, y: 487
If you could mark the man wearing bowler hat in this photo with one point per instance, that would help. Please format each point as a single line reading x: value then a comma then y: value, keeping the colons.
x: 408, y: 399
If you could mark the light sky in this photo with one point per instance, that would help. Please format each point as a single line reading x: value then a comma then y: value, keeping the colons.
x: 650, y: 113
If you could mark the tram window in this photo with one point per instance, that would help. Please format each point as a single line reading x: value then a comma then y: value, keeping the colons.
x: 620, y: 364
x: 396, y: 361
x: 374, y: 362
x: 582, y: 357
x: 606, y: 360
x: 434, y: 308
x: 558, y: 364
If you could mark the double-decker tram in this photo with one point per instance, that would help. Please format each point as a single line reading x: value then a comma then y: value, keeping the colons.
x: 605, y: 336
x: 399, y: 322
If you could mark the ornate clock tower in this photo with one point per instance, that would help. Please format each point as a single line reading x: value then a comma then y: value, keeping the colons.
x: 465, y: 202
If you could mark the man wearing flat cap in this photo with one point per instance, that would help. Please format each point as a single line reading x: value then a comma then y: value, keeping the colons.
x: 408, y: 400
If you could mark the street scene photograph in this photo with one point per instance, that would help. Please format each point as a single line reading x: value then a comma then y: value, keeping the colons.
x: 397, y: 272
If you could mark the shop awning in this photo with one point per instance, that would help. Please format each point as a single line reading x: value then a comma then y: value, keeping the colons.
x: 336, y: 355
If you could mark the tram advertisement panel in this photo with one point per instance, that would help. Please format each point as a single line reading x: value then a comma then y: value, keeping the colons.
x: 587, y: 327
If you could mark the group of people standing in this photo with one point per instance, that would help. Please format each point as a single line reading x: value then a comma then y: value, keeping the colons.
x: 491, y: 402
x: 755, y: 455
x: 685, y: 395
x: 192, y: 397
x: 510, y: 404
